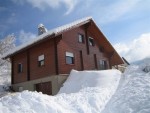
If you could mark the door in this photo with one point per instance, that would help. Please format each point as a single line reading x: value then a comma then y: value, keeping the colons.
x: 45, y: 88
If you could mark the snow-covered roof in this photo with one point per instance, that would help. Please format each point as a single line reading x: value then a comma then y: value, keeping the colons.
x: 54, y: 31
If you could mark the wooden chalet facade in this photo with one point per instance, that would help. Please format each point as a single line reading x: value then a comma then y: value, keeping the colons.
x: 43, y: 64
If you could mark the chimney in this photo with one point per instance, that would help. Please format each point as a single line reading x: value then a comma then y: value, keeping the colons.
x: 41, y: 29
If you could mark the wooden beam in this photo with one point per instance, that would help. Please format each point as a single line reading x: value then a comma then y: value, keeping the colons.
x: 81, y: 58
x: 125, y: 61
x: 110, y: 64
x: 56, y: 56
x: 87, y: 39
x: 28, y: 65
x: 95, y: 61
x: 110, y: 55
x: 12, y: 70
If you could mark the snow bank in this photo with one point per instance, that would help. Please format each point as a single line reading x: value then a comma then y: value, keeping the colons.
x: 83, y: 92
x: 78, y: 80
x: 133, y: 95
x: 4, y: 82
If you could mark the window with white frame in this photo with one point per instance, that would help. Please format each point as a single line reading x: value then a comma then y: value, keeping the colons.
x: 91, y: 41
x: 69, y: 58
x: 20, y: 68
x: 41, y: 60
x: 81, y: 38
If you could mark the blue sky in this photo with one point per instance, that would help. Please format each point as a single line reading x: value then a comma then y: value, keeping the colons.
x: 121, y: 21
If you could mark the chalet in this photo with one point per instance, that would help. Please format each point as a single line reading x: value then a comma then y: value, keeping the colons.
x: 44, y: 63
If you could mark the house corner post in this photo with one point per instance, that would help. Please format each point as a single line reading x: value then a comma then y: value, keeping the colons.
x: 12, y: 70
x: 56, y: 56
x: 28, y: 65
x: 86, y: 39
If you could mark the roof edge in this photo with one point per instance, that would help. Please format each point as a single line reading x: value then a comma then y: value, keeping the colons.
x: 55, y: 31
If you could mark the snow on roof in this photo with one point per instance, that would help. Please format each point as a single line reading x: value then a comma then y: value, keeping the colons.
x: 54, y: 31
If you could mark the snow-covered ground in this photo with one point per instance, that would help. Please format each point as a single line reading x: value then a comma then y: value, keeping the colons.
x: 4, y: 80
x: 89, y: 92
x: 133, y: 95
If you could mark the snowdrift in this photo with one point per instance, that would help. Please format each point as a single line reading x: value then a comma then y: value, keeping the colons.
x: 83, y: 92
x: 89, y: 92
x: 133, y: 95
x: 4, y: 81
x: 78, y: 80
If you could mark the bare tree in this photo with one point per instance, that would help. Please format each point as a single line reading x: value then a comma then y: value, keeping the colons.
x: 6, y: 45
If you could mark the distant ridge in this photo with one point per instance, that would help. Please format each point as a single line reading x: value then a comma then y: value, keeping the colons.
x: 145, y: 60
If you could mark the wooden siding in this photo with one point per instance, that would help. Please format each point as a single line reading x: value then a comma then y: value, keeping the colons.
x: 29, y: 59
x: 46, y: 49
x: 69, y: 43
x: 20, y: 58
x: 86, y: 57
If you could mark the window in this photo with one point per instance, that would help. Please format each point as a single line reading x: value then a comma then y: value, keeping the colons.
x: 69, y: 58
x: 41, y: 60
x: 20, y: 68
x: 81, y: 38
x: 103, y: 65
x: 91, y: 41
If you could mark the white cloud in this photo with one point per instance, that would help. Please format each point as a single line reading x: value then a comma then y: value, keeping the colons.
x: 138, y: 49
x: 25, y: 36
x: 42, y: 4
x: 116, y: 10
x: 70, y: 4
x: 106, y: 12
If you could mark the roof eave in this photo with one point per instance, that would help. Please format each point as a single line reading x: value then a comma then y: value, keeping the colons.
x: 55, y: 33
x: 120, y: 60
x: 29, y: 46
